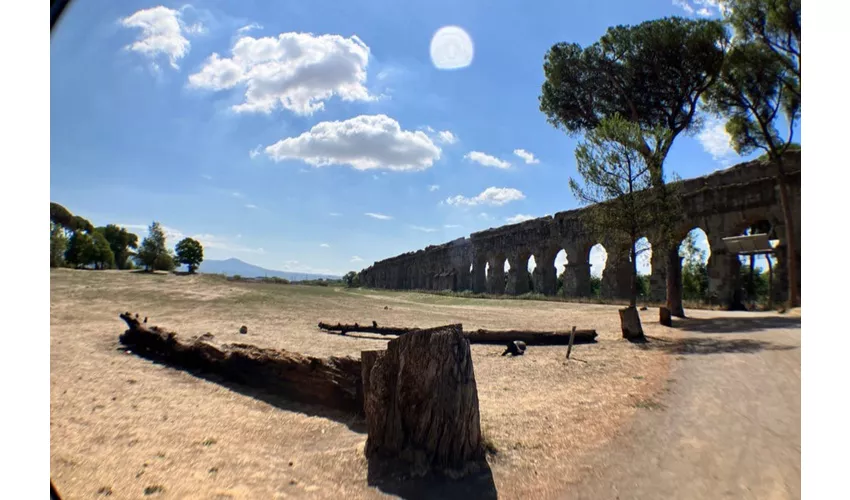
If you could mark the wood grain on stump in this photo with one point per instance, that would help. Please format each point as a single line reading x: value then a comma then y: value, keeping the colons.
x: 421, y: 402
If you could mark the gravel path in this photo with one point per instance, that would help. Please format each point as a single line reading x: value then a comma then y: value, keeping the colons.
x: 728, y: 425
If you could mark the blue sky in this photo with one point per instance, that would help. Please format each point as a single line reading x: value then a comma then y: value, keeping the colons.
x: 320, y: 136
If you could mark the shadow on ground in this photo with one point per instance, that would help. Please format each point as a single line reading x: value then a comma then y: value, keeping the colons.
x: 735, y: 324
x: 391, y: 478
x: 354, y: 422
x: 708, y: 345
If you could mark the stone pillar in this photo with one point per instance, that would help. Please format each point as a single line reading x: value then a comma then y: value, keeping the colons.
x: 723, y: 274
x: 479, y: 276
x: 464, y: 277
x: 545, y: 280
x: 496, y: 276
x: 780, y: 276
x: 577, y: 279
x: 658, y: 278
x: 517, y: 275
x: 615, y: 277
x: 674, y: 273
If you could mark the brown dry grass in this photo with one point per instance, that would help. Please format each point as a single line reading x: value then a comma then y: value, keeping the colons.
x: 122, y: 423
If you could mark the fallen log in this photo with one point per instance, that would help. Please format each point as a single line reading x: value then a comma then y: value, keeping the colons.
x: 480, y: 336
x: 530, y: 337
x: 380, y: 330
x: 333, y: 382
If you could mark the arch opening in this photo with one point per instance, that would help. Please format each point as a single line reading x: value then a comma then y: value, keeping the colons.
x: 695, y: 251
x: 531, y: 265
x: 756, y: 280
x: 561, y: 261
x: 598, y: 258
x: 643, y: 252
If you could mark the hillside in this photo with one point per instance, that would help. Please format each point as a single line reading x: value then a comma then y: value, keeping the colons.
x: 234, y: 266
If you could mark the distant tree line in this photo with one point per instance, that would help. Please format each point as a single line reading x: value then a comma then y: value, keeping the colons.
x: 76, y: 243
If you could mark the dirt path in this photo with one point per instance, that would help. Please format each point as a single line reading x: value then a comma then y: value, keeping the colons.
x: 728, y: 425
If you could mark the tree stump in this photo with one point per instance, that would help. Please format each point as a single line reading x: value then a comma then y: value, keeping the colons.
x: 630, y: 323
x: 665, y: 318
x: 421, y: 402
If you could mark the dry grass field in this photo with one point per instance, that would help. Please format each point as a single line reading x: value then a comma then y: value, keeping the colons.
x: 125, y: 427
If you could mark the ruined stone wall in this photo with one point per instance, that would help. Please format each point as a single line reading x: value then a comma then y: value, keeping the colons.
x: 722, y: 204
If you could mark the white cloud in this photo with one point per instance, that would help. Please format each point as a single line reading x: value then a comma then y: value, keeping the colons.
x: 451, y: 226
x: 236, y: 194
x: 491, y: 196
x: 356, y: 259
x: 486, y: 160
x: 250, y: 205
x: 255, y: 152
x: 334, y: 214
x: 378, y: 216
x: 519, y: 218
x: 433, y: 187
x: 162, y: 34
x: 364, y: 142
x: 249, y: 27
x: 324, y: 245
x: 715, y: 140
x: 684, y: 5
x: 446, y: 137
x: 423, y: 229
x: 207, y: 177
x: 707, y: 8
x: 295, y: 71
x: 526, y: 156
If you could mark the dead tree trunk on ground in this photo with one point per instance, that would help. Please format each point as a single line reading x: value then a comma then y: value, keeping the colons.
x: 421, y: 402
x: 333, y: 382
x: 530, y: 337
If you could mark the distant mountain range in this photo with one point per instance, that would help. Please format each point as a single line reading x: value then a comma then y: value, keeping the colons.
x: 232, y: 267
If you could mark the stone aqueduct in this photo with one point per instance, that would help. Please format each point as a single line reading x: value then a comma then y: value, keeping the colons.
x: 722, y: 204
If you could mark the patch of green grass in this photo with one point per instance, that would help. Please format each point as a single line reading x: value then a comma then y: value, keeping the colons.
x: 208, y: 442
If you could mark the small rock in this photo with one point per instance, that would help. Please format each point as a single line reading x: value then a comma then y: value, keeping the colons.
x: 644, y: 308
x: 290, y: 464
x: 293, y: 482
x: 243, y: 330
x: 386, y: 307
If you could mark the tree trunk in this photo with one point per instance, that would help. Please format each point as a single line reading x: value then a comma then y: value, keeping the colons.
x: 530, y: 337
x: 674, y: 283
x: 791, y: 263
x: 331, y: 382
x: 630, y: 323
x: 633, y: 289
x: 421, y: 402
